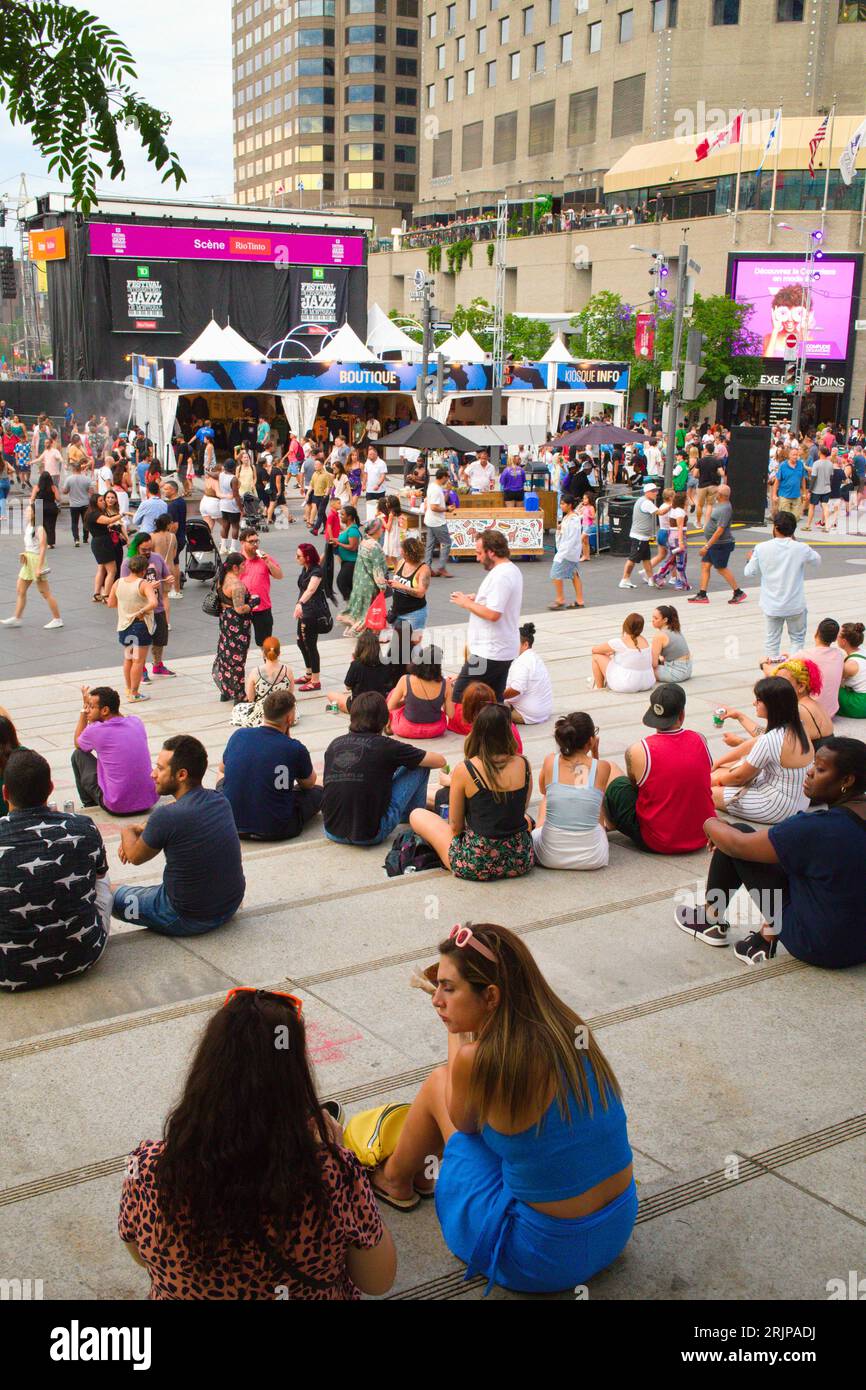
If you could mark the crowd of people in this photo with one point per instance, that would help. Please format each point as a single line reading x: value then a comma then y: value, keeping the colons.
x: 534, y: 1186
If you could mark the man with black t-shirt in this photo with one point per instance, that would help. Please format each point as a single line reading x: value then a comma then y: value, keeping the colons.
x: 709, y: 473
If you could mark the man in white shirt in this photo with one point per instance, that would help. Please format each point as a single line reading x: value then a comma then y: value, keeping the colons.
x: 493, y: 640
x: 480, y: 474
x: 653, y: 455
x: 436, y: 524
x: 529, y: 691
x: 781, y: 563
x: 375, y: 473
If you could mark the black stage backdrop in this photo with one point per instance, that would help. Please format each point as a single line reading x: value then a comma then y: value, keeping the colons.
x: 254, y: 299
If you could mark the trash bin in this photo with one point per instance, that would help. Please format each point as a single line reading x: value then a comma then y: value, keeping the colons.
x: 619, y: 514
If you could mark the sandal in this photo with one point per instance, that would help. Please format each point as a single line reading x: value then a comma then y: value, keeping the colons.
x: 555, y: 607
x: 398, y: 1203
x: 576, y: 605
x: 309, y: 685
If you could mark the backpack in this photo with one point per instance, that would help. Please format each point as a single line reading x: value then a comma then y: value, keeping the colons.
x: 409, y: 854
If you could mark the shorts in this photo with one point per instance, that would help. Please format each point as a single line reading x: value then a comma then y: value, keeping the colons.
x: 136, y: 635
x: 719, y: 555
x: 233, y: 517
x: 564, y: 569
x: 509, y: 496
x: 160, y: 630
x: 210, y: 506
x: 816, y: 498
x: 29, y: 570
x: 640, y: 550
x: 794, y: 505
x: 662, y: 538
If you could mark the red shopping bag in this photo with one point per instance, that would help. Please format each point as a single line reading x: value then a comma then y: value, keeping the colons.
x: 377, y: 614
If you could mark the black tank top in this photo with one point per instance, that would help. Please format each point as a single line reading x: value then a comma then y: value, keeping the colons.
x: 493, y: 819
x: 405, y: 602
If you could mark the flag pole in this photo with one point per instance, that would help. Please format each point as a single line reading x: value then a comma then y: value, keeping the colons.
x: 739, y: 176
x: 775, y: 178
x: 829, y: 161
x: 862, y: 211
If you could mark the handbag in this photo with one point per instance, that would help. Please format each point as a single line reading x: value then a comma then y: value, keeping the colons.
x: 377, y: 614
x: 211, y: 602
x: 372, y: 1135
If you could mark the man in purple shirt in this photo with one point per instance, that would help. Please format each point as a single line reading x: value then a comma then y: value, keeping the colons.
x: 111, y: 761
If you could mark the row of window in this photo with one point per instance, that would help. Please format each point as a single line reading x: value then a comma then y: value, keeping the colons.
x: 323, y: 38
x: 360, y: 62
x: 363, y: 122
x: 626, y: 119
x: 323, y: 181
x: 284, y: 14
x: 361, y: 152
x: 318, y: 67
x: 663, y: 15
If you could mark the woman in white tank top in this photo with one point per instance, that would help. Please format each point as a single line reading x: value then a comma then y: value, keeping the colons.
x: 33, y: 571
x: 230, y: 507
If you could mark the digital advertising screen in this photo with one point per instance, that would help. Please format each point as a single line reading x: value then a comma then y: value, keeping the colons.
x: 778, y: 292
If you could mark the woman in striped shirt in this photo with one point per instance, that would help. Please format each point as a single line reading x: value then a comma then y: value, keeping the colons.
x: 765, y: 782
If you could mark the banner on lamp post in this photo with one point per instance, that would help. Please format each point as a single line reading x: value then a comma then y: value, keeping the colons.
x: 644, y: 336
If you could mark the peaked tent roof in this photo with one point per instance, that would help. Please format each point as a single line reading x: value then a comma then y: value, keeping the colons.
x: 384, y: 335
x: 450, y: 349
x: 468, y: 350
x: 215, y: 344
x: 345, y: 346
x: 558, y: 352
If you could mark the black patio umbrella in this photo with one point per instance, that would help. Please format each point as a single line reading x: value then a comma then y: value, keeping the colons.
x: 429, y: 434
x: 595, y: 435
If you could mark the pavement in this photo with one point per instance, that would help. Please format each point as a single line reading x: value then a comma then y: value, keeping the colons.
x: 743, y: 1086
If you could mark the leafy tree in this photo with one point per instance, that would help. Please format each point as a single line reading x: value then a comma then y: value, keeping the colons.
x: 65, y: 75
x: 529, y: 338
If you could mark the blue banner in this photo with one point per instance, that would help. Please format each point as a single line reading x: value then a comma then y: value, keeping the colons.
x: 586, y: 376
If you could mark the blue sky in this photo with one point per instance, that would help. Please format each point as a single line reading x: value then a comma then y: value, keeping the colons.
x: 182, y: 50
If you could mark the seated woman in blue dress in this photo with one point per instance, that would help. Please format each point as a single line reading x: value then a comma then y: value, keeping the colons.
x: 535, y: 1187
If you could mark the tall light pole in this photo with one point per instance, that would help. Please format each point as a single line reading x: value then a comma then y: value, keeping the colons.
x: 814, y: 252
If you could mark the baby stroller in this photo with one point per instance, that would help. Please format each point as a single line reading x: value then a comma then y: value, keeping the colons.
x: 253, y: 513
x: 201, y: 554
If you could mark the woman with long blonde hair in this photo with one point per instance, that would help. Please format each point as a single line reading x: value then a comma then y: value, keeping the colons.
x: 535, y: 1186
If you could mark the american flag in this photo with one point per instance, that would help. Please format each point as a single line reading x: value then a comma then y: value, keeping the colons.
x: 814, y: 143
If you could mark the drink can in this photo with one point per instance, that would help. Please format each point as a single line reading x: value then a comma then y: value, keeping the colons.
x: 719, y: 716
x: 443, y: 811
x: 332, y: 707
x: 69, y: 808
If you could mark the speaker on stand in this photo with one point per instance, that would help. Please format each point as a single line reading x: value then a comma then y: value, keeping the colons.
x: 748, y: 468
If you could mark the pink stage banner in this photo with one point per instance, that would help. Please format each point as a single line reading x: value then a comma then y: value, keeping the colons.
x: 136, y: 241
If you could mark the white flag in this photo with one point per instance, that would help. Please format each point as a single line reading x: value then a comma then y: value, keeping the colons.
x: 849, y: 154
x: 774, y: 131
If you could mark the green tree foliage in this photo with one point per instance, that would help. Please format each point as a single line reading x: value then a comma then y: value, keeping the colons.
x: 529, y: 338
x: 65, y: 76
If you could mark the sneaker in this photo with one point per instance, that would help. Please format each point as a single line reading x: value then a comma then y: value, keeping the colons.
x: 145, y: 677
x: 137, y: 699
x: 626, y: 584
x: 646, y: 578
x: 755, y: 949
x: 739, y: 596
x: 163, y: 670
x: 55, y: 622
x: 173, y: 593
x: 335, y: 1110
x: 699, y: 597
x: 12, y: 622
x: 694, y: 921
x: 77, y: 544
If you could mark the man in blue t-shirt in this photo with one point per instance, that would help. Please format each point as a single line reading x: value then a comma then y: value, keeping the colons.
x: 203, y: 884
x: 789, y: 487
x: 804, y: 874
x: 269, y: 780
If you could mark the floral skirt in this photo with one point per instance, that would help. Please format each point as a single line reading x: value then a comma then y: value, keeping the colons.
x: 229, y: 668
x: 482, y: 859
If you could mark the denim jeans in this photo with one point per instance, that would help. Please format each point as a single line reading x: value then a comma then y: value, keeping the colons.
x: 442, y: 535
x: 152, y: 908
x: 408, y: 793
x: 796, y: 631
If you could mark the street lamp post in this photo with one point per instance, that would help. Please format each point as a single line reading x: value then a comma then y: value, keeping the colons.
x: 814, y: 252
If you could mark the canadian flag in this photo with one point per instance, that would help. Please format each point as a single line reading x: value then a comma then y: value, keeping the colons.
x: 729, y: 136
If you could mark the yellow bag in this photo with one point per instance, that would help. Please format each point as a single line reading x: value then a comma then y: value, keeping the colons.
x: 372, y: 1135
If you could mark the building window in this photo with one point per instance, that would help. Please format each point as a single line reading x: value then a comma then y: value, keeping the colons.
x: 406, y: 67
x: 367, y: 180
x: 491, y: 73
x: 365, y: 91
x: 566, y: 43
x: 406, y: 38
x: 405, y: 96
x: 315, y: 154
x: 541, y: 125
x: 664, y: 15
x: 791, y: 11
x: 353, y: 6
x: 528, y: 20
x: 404, y: 183
x: 461, y: 49
x: 442, y: 155
x: 726, y: 11
x: 514, y: 66
x: 407, y: 9
x: 431, y: 95
x: 538, y: 58
x: 314, y: 38
x: 366, y: 33
x: 627, y: 112
x: 470, y: 81
x: 314, y: 67
x: 405, y: 125
x: 450, y: 18
x: 314, y: 125
x: 363, y: 153
x: 440, y: 56
x: 471, y: 8
x: 595, y: 37
x: 363, y: 121
x: 431, y: 26
x: 315, y: 96
x: 851, y: 12
x: 481, y: 36
x: 582, y: 116
x: 626, y: 26
x: 449, y: 88
x: 503, y: 29
x: 505, y: 138
x: 363, y: 62
x: 553, y: 11
x: 405, y: 154
x: 473, y: 139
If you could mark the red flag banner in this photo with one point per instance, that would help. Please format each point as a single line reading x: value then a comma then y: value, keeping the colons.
x: 711, y: 144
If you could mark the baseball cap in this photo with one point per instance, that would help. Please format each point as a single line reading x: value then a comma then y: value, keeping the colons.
x: 650, y: 487
x: 667, y: 703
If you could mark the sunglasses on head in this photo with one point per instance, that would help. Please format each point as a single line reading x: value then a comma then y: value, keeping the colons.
x: 291, y: 999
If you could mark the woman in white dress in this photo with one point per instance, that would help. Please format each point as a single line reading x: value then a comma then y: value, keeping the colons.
x: 624, y: 664
x: 764, y: 780
x: 271, y: 675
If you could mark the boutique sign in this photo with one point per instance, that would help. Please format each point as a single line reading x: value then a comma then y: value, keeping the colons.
x: 139, y: 241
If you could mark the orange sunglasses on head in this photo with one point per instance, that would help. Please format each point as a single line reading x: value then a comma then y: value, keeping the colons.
x: 291, y: 999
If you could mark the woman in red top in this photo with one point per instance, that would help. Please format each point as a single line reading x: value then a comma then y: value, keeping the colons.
x: 249, y: 1195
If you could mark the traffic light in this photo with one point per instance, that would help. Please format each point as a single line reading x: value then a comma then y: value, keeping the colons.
x: 440, y: 377
x: 808, y: 384
x: 693, y: 373
x: 790, y: 378
x: 8, y: 288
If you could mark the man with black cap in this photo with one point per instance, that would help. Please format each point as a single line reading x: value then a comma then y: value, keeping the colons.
x: 664, y: 798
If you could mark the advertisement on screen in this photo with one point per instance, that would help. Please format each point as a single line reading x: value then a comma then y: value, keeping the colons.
x: 784, y: 304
